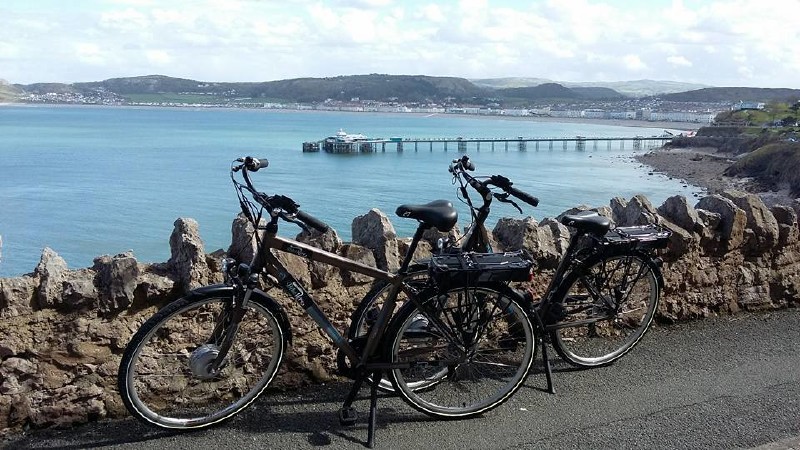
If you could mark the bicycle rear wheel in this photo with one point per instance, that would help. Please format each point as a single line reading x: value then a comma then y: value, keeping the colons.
x: 609, y: 307
x: 164, y: 376
x: 461, y: 353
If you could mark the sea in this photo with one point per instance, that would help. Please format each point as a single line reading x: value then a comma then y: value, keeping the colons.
x: 91, y: 180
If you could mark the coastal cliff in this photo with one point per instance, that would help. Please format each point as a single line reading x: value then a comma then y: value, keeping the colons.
x: 64, y: 330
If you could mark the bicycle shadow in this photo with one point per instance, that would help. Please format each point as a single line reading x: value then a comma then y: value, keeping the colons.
x: 313, y: 413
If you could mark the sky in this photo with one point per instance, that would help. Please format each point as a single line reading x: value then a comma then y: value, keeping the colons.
x: 717, y: 43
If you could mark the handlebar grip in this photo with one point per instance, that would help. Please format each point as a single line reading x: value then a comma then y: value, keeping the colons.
x: 254, y: 164
x: 524, y: 196
x: 312, y: 221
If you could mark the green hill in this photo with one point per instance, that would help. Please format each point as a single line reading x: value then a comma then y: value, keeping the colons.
x: 734, y: 94
x: 634, y: 88
x: 8, y: 92
x: 774, y: 165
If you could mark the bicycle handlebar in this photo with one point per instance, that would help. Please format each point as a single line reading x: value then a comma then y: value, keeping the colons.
x: 505, y: 184
x: 461, y: 165
x: 289, y: 206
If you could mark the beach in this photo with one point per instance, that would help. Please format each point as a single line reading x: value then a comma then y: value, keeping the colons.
x: 705, y: 167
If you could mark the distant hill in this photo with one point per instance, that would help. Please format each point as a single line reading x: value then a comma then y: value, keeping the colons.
x: 728, y: 94
x: 156, y: 84
x: 635, y: 88
x: 401, y: 88
x: 8, y: 92
x: 407, y: 89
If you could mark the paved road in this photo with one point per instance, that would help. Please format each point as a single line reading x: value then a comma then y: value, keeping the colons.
x: 731, y: 382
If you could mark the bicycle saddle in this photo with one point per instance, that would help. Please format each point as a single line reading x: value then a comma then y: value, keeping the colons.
x: 588, y: 222
x: 438, y: 213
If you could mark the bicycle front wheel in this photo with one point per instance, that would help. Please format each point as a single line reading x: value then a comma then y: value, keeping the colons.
x: 165, y: 376
x: 609, y: 307
x: 461, y: 353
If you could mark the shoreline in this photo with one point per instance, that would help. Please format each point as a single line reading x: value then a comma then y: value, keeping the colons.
x: 705, y: 167
x: 675, y: 126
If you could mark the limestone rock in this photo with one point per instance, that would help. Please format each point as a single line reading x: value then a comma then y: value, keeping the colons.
x: 50, y: 271
x: 788, y: 231
x: 545, y: 242
x: 243, y: 244
x: 638, y: 211
x: 17, y: 296
x: 79, y: 290
x: 188, y: 260
x: 732, y: 219
x: 359, y: 254
x: 511, y: 233
x: 677, y: 210
x: 618, y: 205
x: 759, y: 219
x: 374, y: 231
x: 328, y: 241
x: 116, y: 281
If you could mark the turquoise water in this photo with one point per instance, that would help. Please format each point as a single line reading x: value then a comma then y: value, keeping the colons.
x: 88, y: 181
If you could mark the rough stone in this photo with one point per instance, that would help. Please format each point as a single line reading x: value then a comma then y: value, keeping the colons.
x: 50, y: 271
x: 188, y: 260
x: 374, y: 231
x: 116, y: 281
x: 360, y: 254
x: 759, y: 219
x: 638, y: 211
x: 788, y: 231
x: 732, y: 219
x: 79, y: 290
x: 328, y: 241
x: 17, y: 296
x: 511, y: 233
x: 677, y: 210
x: 618, y: 205
x: 243, y: 245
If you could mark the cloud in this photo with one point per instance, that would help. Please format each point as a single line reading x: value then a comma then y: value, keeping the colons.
x: 634, y: 63
x: 158, y: 57
x: 244, y: 40
x: 89, y: 53
x: 680, y: 61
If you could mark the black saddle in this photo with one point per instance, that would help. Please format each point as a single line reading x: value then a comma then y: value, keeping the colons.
x: 438, y: 213
x: 588, y: 222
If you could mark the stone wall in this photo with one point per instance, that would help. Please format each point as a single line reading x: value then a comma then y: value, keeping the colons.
x: 63, y: 330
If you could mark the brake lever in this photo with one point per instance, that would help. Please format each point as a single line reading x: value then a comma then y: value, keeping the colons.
x: 299, y: 223
x: 504, y: 199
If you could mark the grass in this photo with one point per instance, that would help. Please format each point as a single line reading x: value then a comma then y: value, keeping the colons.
x: 774, y: 165
x: 170, y: 97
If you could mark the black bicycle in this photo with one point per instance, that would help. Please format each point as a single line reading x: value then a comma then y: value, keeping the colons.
x: 460, y: 345
x: 602, y: 297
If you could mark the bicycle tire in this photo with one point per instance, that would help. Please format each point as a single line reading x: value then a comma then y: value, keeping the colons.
x: 176, y: 343
x: 613, y: 298
x: 467, y: 375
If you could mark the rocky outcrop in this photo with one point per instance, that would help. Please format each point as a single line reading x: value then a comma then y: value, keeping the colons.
x: 374, y: 231
x: 64, y: 330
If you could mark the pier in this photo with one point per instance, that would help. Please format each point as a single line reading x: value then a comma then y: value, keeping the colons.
x: 460, y: 144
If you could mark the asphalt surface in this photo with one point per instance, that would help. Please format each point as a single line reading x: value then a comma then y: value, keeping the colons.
x: 731, y: 382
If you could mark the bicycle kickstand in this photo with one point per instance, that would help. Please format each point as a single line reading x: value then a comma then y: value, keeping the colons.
x: 348, y: 414
x: 548, y: 371
x: 373, y: 408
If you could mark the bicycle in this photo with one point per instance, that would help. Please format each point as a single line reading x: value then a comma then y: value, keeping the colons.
x: 451, y: 351
x: 602, y: 297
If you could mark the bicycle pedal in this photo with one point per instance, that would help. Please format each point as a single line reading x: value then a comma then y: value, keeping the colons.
x: 348, y: 416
